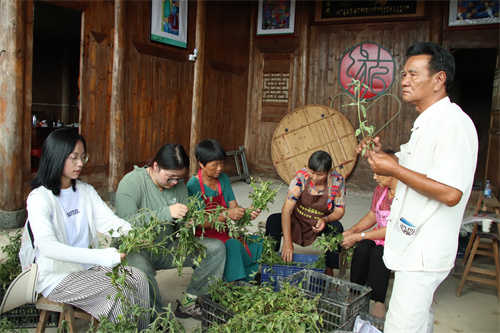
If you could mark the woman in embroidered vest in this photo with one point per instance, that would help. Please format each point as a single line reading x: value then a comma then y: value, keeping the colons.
x: 367, y: 266
x: 65, y: 215
x: 314, y: 204
x: 214, y: 188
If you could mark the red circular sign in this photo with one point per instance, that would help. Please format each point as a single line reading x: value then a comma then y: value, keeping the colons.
x: 371, y: 64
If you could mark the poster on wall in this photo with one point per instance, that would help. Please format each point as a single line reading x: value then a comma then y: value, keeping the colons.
x: 276, y: 17
x: 468, y: 13
x: 169, y: 22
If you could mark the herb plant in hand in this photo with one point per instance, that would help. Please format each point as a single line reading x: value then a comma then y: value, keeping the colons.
x: 366, y: 131
x: 263, y: 194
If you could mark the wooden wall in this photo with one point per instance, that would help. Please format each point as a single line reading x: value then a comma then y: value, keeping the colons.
x: 323, y: 46
x: 157, y: 87
x: 158, y: 82
x: 227, y: 50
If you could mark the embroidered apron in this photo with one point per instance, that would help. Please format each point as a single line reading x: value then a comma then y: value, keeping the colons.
x: 306, y: 213
x: 382, y: 217
x: 210, y: 204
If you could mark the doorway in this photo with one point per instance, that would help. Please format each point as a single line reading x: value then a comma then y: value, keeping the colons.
x: 472, y: 90
x: 56, y: 69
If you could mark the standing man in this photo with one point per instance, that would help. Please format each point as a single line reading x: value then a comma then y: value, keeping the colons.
x: 435, y: 172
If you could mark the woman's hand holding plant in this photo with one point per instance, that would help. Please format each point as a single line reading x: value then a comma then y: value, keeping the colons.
x: 178, y: 210
x: 320, y: 225
x: 350, y: 240
x: 235, y: 213
x: 254, y: 212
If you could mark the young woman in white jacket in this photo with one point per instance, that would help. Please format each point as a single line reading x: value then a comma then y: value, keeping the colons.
x: 64, y: 215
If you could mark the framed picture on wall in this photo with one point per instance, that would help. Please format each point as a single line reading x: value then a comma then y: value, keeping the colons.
x: 169, y: 22
x: 469, y: 13
x: 276, y: 17
x: 328, y: 11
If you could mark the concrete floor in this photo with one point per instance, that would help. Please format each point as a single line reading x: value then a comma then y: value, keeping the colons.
x: 476, y: 310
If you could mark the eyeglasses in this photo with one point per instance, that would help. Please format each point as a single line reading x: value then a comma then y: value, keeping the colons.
x: 84, y: 158
x: 175, y: 180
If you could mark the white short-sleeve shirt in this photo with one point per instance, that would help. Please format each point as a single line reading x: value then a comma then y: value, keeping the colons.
x: 443, y: 145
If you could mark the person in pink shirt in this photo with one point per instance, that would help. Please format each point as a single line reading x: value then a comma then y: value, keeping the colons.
x: 367, y: 266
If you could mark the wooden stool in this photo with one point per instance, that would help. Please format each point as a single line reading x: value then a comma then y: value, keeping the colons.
x: 67, y: 312
x: 488, y: 248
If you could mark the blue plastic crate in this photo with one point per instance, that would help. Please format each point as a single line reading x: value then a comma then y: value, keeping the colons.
x: 273, y: 274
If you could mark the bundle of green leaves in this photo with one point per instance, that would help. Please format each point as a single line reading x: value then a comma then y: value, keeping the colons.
x: 264, y: 310
x: 365, y: 130
x: 263, y: 194
x: 331, y: 242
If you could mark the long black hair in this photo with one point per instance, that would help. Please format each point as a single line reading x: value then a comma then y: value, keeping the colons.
x: 208, y: 151
x: 171, y: 156
x: 55, y: 150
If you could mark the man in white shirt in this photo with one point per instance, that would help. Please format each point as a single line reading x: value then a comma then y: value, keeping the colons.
x: 435, y: 172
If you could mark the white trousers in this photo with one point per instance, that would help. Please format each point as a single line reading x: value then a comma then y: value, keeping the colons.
x: 411, y: 299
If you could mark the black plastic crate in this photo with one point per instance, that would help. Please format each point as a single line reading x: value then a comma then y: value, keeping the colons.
x: 340, y: 299
x: 213, y: 313
x: 26, y: 316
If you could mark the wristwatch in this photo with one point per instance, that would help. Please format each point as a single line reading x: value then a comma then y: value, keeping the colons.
x: 363, y: 234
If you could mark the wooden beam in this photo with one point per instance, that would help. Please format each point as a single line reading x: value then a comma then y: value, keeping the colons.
x: 199, y: 65
x: 80, y: 5
x: 116, y: 124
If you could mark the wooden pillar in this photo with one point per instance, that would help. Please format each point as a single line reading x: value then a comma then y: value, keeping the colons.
x: 436, y: 21
x: 250, y: 119
x: 116, y: 130
x: 303, y: 54
x: 197, y: 84
x: 12, y: 56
